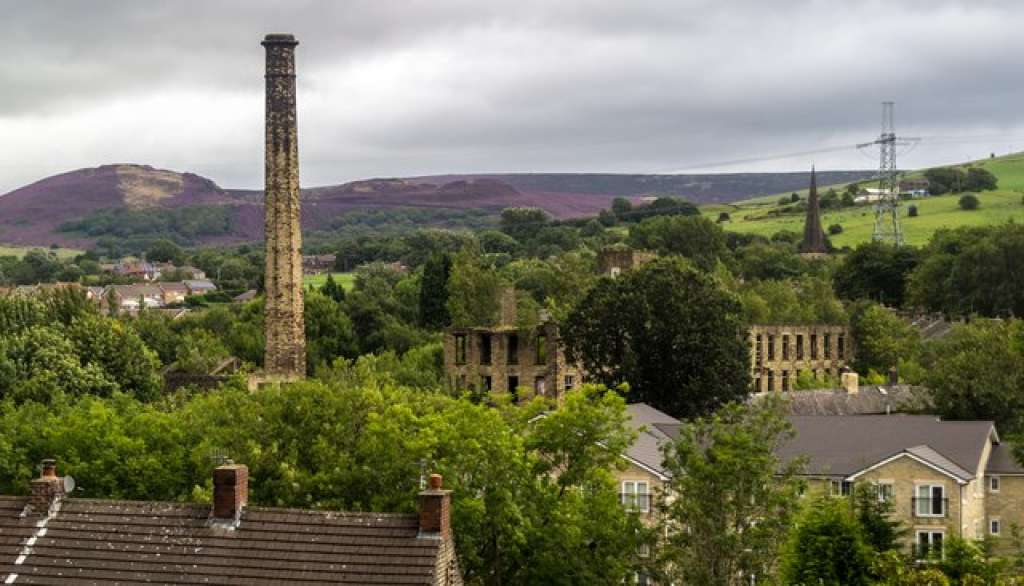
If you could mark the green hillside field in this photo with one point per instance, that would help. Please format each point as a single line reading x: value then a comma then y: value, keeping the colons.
x: 20, y: 251
x: 1002, y: 205
x: 346, y: 280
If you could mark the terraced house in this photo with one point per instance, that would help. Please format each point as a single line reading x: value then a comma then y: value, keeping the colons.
x: 51, y: 538
x: 943, y: 478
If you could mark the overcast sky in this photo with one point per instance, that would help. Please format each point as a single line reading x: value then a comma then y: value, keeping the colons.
x: 398, y: 88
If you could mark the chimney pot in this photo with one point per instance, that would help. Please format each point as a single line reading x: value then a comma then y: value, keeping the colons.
x: 435, y: 510
x: 230, y: 490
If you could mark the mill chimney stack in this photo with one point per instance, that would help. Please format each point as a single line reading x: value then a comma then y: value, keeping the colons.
x: 285, y: 357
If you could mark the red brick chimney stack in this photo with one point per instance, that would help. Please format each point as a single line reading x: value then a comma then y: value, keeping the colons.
x: 435, y: 510
x: 230, y: 490
x: 46, y: 489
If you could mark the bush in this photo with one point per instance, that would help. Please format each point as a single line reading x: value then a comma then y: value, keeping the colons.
x: 723, y: 217
x: 969, y: 202
x: 835, y: 229
x: 912, y: 211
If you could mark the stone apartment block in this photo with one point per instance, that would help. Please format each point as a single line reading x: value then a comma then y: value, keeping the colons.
x: 943, y: 478
x: 778, y: 353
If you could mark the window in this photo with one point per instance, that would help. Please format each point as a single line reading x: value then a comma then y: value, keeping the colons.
x: 758, y: 359
x: 929, y: 500
x: 993, y: 483
x: 570, y: 382
x: 636, y: 496
x: 799, y: 347
x: 785, y: 380
x: 840, y: 488
x: 994, y: 527
x: 513, y: 349
x: 785, y: 347
x: 771, y: 380
x: 828, y: 346
x: 929, y: 544
x: 771, y: 347
x: 814, y: 346
x: 641, y: 579
x: 643, y: 550
x: 487, y: 383
x: 485, y: 348
x: 513, y: 384
x: 884, y: 491
x: 538, y: 385
x: 542, y: 349
x: 841, y: 347
x: 460, y: 348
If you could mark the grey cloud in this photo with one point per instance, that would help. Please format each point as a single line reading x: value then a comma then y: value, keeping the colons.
x: 392, y: 87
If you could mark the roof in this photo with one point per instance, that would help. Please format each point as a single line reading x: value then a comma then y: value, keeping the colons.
x: 99, y: 542
x: 654, y: 429
x: 843, y: 445
x: 875, y: 399
x: 1002, y: 461
x: 200, y: 284
x: 174, y: 286
x: 137, y: 290
x: 246, y: 296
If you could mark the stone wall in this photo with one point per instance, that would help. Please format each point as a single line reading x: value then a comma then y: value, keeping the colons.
x: 514, y: 360
x: 612, y: 261
x: 779, y: 353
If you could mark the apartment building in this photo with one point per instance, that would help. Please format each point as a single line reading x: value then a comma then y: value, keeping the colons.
x: 779, y: 353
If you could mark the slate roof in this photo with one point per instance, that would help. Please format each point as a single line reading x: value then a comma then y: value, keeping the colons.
x: 121, y: 542
x: 872, y: 399
x: 654, y: 430
x: 1001, y: 460
x: 843, y: 445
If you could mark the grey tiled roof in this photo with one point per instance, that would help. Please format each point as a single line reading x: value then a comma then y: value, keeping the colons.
x: 842, y: 445
x: 103, y: 542
x: 873, y: 399
x: 654, y: 430
x: 1002, y: 461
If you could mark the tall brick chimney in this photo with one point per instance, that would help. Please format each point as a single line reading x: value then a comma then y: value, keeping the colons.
x: 285, y: 357
x: 47, y: 489
x: 230, y: 491
x: 435, y: 507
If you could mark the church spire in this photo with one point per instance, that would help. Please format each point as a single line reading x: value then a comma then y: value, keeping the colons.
x: 814, y: 236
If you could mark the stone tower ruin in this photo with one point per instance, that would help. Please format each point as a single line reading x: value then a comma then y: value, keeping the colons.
x: 285, y: 357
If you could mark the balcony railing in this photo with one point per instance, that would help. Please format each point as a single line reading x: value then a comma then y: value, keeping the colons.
x: 930, y: 506
x: 636, y: 502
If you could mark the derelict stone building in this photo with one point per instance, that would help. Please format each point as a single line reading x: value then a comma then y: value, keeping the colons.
x: 505, y: 357
x: 613, y: 261
x: 778, y: 353
x: 285, y: 357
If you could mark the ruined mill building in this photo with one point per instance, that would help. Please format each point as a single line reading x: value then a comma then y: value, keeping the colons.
x: 285, y: 357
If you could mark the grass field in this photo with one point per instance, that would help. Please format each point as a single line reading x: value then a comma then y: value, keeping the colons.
x: 20, y: 251
x: 933, y: 213
x: 346, y: 280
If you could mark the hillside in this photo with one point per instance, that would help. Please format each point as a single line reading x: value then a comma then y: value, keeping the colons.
x: 135, y: 201
x: 1001, y: 205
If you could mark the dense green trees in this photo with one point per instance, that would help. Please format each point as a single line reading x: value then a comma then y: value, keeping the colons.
x: 827, y: 546
x: 534, y: 499
x: 876, y: 271
x: 673, y: 333
x: 807, y: 300
x: 694, y: 237
x: 884, y: 339
x: 972, y: 271
x: 732, y: 495
x: 434, y: 292
x: 943, y: 180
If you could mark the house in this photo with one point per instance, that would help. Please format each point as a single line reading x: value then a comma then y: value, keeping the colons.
x: 200, y: 286
x: 506, y: 357
x: 314, y: 264
x: 183, y: 272
x: 943, y: 478
x: 174, y: 292
x: 140, y: 270
x: 855, y: 400
x: 645, y: 474
x: 870, y: 195
x: 246, y: 296
x: 131, y: 298
x: 779, y: 353
x: 914, y: 188
x: 50, y: 537
x: 613, y: 261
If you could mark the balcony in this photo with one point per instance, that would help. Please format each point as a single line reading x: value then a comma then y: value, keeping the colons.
x: 930, y: 507
x: 636, y: 502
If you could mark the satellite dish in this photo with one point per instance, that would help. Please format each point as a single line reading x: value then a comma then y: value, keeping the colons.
x: 69, y: 484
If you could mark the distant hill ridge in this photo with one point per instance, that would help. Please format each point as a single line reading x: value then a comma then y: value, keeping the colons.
x: 31, y: 215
